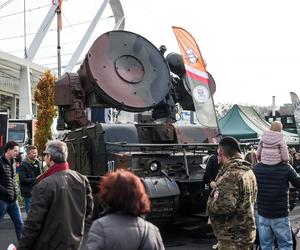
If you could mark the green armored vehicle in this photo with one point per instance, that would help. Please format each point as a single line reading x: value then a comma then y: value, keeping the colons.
x: 124, y: 71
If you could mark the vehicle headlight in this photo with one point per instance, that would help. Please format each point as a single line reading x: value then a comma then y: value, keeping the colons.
x: 154, y: 166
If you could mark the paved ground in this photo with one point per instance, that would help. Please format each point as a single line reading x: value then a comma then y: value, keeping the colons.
x: 177, y: 237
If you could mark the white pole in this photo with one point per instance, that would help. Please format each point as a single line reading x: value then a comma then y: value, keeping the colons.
x: 58, y: 12
x: 273, y: 105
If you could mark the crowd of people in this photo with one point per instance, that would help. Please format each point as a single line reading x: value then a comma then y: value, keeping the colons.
x: 60, y: 204
x: 249, y: 198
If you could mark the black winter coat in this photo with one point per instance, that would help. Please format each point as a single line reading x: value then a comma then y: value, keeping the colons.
x: 273, y: 188
x: 8, y: 184
x: 27, y: 174
x: 211, y: 170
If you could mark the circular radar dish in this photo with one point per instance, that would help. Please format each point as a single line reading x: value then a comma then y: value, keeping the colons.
x: 128, y: 71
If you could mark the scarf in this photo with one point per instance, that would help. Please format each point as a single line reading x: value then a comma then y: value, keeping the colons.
x: 52, y: 170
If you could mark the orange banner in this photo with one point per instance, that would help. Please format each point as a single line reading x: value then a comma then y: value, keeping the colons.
x: 189, y: 48
x: 197, y: 78
x: 58, y: 11
x: 60, y: 16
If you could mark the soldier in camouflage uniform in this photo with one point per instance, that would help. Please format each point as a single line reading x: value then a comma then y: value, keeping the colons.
x: 231, y: 203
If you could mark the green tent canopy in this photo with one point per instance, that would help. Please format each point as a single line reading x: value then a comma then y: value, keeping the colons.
x: 243, y: 122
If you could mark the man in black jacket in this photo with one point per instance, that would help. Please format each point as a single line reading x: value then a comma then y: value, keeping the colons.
x: 212, y: 169
x: 8, y: 186
x: 29, y: 169
x: 273, y: 203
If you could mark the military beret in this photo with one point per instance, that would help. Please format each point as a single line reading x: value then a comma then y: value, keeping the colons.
x: 231, y: 142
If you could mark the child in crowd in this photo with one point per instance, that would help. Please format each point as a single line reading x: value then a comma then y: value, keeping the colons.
x: 272, y: 148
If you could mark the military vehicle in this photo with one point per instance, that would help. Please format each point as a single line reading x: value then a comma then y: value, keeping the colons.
x: 124, y: 71
x: 3, y: 130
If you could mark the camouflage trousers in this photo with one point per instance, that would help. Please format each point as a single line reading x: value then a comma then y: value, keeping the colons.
x: 226, y: 245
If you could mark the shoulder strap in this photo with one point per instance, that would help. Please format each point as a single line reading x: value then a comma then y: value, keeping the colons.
x: 145, y: 234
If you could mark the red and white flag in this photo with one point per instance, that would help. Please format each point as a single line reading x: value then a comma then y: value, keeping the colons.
x: 197, y: 78
x: 59, y: 6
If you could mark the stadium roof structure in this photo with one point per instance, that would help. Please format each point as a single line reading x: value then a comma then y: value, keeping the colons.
x: 19, y: 75
x: 244, y: 123
x: 11, y: 66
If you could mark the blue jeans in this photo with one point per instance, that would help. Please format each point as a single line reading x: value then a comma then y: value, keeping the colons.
x: 14, y: 212
x: 27, y: 201
x: 279, y: 228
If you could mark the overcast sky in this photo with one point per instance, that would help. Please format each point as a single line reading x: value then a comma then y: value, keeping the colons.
x: 251, y: 47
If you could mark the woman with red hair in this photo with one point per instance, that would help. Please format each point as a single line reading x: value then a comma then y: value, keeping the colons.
x: 124, y: 198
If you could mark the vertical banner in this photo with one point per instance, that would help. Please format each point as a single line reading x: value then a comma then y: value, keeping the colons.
x: 197, y: 78
x: 59, y: 6
x: 3, y: 131
x: 296, y: 106
x: 60, y: 15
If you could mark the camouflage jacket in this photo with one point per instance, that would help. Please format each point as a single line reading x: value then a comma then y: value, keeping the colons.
x: 230, y: 205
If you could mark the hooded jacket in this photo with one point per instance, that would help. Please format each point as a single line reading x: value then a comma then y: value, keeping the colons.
x: 272, y: 148
x: 230, y: 205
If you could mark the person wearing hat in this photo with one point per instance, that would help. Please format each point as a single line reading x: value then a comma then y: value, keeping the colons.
x: 231, y: 202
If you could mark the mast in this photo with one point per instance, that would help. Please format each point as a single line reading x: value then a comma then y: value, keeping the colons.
x: 59, y: 27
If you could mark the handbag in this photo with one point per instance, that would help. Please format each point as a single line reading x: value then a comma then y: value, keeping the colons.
x: 143, y: 240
